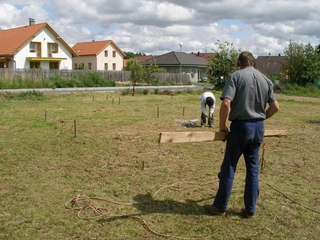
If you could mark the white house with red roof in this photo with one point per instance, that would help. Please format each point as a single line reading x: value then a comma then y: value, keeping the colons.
x: 34, y: 46
x: 98, y: 55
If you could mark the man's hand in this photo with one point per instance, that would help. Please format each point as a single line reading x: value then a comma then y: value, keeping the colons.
x: 224, y: 129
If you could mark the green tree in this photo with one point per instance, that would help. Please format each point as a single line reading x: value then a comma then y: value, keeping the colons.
x: 302, y: 64
x: 141, y: 73
x: 318, y: 48
x: 130, y: 55
x: 148, y: 73
x: 136, y: 73
x: 223, y: 62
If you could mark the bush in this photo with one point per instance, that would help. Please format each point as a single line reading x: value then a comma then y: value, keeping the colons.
x: 59, y: 82
x: 93, y: 79
x: 145, y: 91
x: 167, y: 92
x: 295, y: 89
x: 29, y: 95
x: 126, y: 92
x: 90, y: 79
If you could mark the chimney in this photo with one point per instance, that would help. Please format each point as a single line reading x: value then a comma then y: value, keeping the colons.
x: 31, y: 21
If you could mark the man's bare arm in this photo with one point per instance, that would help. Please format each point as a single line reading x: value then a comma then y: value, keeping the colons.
x: 272, y: 109
x: 223, y: 114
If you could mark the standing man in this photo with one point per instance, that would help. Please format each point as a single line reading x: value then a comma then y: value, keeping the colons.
x: 207, y: 98
x: 246, y: 95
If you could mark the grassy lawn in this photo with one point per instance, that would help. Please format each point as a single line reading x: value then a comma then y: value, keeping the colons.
x: 101, y: 150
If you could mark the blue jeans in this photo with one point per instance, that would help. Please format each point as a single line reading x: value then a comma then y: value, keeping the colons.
x: 245, y: 137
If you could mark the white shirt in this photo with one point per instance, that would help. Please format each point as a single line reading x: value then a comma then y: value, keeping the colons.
x: 203, y: 102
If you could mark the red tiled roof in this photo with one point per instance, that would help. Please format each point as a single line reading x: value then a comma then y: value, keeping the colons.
x: 93, y: 48
x: 11, y: 40
x: 271, y: 65
x: 205, y: 56
x: 143, y: 58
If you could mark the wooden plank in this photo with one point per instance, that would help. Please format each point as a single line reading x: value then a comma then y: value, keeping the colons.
x: 182, y: 137
x: 275, y: 133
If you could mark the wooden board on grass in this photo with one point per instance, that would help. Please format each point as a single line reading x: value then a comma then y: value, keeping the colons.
x: 181, y: 137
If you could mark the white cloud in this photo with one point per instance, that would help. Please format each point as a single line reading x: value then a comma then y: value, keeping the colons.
x: 157, y: 26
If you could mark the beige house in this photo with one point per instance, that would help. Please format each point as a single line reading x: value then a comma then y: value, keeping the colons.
x: 98, y: 55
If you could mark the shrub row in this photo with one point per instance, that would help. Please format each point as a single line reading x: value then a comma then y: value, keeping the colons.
x: 90, y: 79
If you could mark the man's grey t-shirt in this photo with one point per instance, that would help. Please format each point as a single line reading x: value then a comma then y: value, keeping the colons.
x: 249, y: 91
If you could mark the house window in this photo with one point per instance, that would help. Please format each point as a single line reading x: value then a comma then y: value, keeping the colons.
x: 114, y: 54
x: 106, y: 66
x: 75, y: 66
x: 34, y: 65
x: 106, y: 53
x: 54, y: 65
x: 52, y: 48
x: 35, y: 47
x: 89, y: 66
x: 81, y: 66
x: 114, y: 66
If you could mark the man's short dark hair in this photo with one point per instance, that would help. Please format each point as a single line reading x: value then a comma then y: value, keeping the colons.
x: 209, y: 101
x: 246, y: 59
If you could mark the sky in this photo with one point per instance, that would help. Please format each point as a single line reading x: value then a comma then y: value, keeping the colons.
x: 154, y: 27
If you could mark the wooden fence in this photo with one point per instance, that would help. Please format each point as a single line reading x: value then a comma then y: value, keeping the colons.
x: 117, y: 76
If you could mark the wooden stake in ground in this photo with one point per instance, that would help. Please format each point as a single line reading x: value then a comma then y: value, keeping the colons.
x: 181, y: 137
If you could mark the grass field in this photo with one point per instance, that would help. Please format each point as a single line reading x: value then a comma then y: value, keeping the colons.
x: 89, y: 166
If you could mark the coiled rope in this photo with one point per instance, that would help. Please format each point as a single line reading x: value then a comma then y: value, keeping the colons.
x: 83, y: 202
